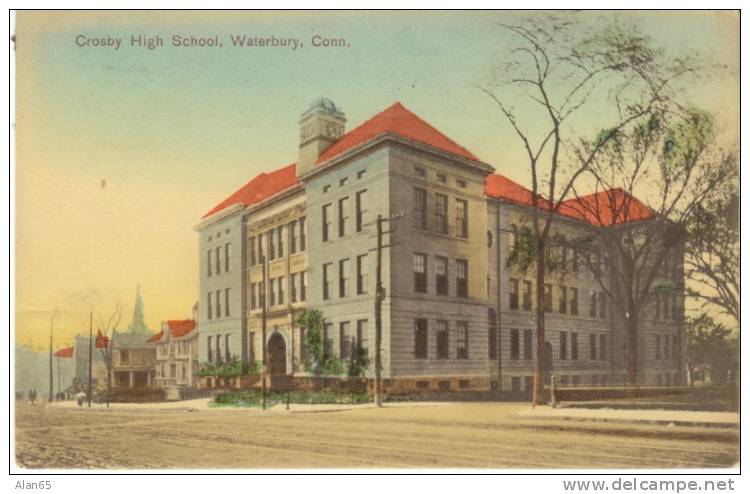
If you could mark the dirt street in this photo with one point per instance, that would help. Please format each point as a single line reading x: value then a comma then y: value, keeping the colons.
x: 471, y: 435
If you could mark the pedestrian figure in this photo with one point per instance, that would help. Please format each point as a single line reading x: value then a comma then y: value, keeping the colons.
x: 80, y: 398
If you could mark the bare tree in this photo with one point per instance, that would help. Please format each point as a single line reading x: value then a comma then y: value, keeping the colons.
x: 712, y: 254
x: 671, y: 164
x: 106, y: 325
x: 561, y: 69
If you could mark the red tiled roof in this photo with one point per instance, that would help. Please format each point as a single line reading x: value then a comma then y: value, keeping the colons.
x: 259, y: 188
x: 500, y: 187
x: 607, y: 208
x: 395, y: 120
x: 65, y: 352
x: 177, y: 328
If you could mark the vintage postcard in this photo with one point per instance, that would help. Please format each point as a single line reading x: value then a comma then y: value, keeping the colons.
x: 477, y: 240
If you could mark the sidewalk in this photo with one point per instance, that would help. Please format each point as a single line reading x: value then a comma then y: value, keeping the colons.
x: 654, y: 417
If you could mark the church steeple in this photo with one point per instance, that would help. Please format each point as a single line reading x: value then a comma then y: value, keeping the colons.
x: 138, y: 325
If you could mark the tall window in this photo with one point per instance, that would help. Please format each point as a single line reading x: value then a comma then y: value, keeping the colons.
x: 657, y: 347
x: 326, y: 222
x: 574, y: 301
x: 574, y: 346
x: 462, y: 340
x: 514, y: 344
x: 462, y: 281
x: 227, y: 353
x: 253, y: 257
x: 563, y: 345
x: 563, y: 302
x: 227, y: 256
x: 343, y: 277
x: 592, y: 346
x: 362, y: 336
x: 218, y: 260
x: 292, y: 237
x: 513, y: 293
x: 441, y: 275
x: 526, y: 295
x: 491, y: 334
x: 261, y: 256
x: 420, y: 338
x: 262, y: 294
x: 227, y: 312
x: 343, y: 215
x: 602, y: 305
x: 345, y: 344
x: 209, y: 349
x: 441, y: 340
x: 327, y: 280
x: 253, y: 295
x: 280, y: 282
x: 328, y: 340
x: 218, y: 304
x: 271, y: 245
x: 441, y: 213
x: 280, y: 240
x: 303, y: 286
x: 293, y: 288
x: 218, y: 348
x: 603, y: 347
x: 462, y: 218
x: 361, y: 205
x: 210, y: 305
x: 302, y: 234
x: 362, y: 280
x: 547, y: 298
x: 209, y: 264
x: 420, y: 273
x: 528, y: 344
x: 592, y: 305
x: 273, y: 292
x: 420, y: 208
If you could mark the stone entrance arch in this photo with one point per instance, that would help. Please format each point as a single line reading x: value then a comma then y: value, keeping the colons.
x: 276, y: 355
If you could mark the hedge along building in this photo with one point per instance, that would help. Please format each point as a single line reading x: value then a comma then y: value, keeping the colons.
x: 448, y: 316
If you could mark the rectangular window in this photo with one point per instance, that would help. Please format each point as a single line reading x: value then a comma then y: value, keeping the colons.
x: 218, y: 260
x: 303, y: 286
x: 420, y: 208
x: 227, y: 312
x: 293, y: 288
x: 302, y: 234
x: 420, y: 273
x: 326, y: 222
x: 592, y: 305
x: 253, y: 257
x: 547, y: 298
x: 218, y: 348
x: 420, y: 338
x: 602, y: 305
x: 657, y: 347
x: 209, y: 264
x: 343, y: 277
x: 343, y: 215
x: 492, y: 337
x: 261, y: 256
x: 253, y: 295
x: 251, y: 347
x: 441, y: 340
x: 441, y: 275
x: 262, y: 294
x: 574, y: 301
x: 280, y: 282
x: 273, y: 292
x: 328, y: 339
x: 462, y: 281
x: 327, y: 280
x: 563, y: 302
x: 592, y: 346
x: 526, y: 295
x: 362, y: 344
x: 442, y: 178
x: 345, y: 345
x: 362, y: 280
x: 441, y: 213
x: 361, y: 205
x: 514, y: 345
x: 528, y: 344
x: 218, y: 304
x: 462, y: 340
x: 462, y: 218
x: 513, y: 293
x: 227, y: 257
x: 227, y: 353
x: 210, y: 306
x: 603, y: 347
x: 666, y: 347
x: 574, y: 346
x: 271, y: 245
x: 280, y: 240
x: 563, y: 345
x: 209, y: 349
x: 292, y: 237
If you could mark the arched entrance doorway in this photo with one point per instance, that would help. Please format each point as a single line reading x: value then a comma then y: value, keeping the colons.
x: 276, y: 355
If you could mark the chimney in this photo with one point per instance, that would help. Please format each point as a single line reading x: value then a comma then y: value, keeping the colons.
x: 319, y: 127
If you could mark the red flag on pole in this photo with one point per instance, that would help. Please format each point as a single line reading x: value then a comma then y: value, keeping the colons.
x: 102, y: 341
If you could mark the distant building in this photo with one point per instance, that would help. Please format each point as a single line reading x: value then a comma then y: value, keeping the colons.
x: 133, y: 361
x: 176, y: 353
x: 81, y: 357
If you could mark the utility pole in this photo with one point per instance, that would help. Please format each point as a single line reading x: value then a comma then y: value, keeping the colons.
x: 51, y: 377
x: 379, y: 296
x: 91, y: 350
